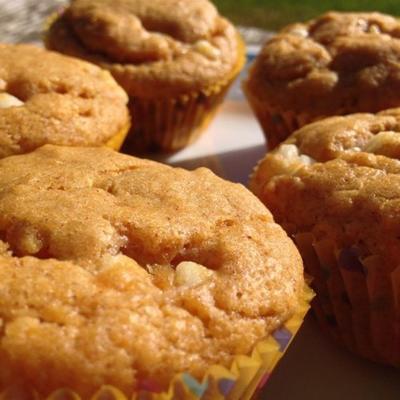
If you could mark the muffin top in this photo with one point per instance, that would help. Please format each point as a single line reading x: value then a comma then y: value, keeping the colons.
x: 338, y: 177
x: 116, y: 270
x: 50, y: 98
x: 338, y: 63
x: 168, y: 47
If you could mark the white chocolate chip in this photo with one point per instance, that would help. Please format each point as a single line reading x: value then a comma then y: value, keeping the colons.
x: 207, y: 49
x: 289, y: 151
x: 292, y: 154
x: 373, y: 28
x: 7, y: 101
x: 306, y: 159
x: 29, y: 241
x: 189, y: 273
x: 302, y: 32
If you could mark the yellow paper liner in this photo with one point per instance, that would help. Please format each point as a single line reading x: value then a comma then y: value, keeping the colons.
x: 169, y: 124
x: 239, y: 382
x: 357, y: 298
x: 117, y: 140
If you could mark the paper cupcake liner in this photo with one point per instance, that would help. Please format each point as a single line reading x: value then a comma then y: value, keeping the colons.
x: 172, y: 123
x: 239, y: 382
x: 117, y: 140
x: 276, y: 124
x: 169, y: 124
x: 357, y: 301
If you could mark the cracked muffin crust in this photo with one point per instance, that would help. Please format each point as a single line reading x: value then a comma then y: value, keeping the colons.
x: 339, y: 63
x: 334, y: 185
x: 50, y: 98
x: 176, y: 59
x: 115, y: 269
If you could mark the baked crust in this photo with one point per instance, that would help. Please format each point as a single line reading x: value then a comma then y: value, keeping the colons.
x: 65, y: 101
x: 341, y: 181
x: 121, y: 269
x: 163, y: 47
x: 336, y: 64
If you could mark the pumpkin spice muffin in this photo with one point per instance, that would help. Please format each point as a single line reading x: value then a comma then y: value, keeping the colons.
x: 121, y: 271
x: 50, y: 98
x: 334, y: 185
x: 339, y: 63
x: 176, y: 59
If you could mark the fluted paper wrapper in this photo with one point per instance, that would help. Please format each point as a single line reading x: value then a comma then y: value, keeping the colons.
x: 171, y: 123
x: 117, y: 140
x: 276, y: 124
x: 357, y: 299
x: 239, y: 382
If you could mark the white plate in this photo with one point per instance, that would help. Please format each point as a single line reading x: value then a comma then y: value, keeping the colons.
x: 230, y: 147
x: 314, y: 368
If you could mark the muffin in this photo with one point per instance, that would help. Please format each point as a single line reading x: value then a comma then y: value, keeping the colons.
x: 176, y: 59
x: 334, y: 185
x: 46, y: 97
x: 125, y: 272
x: 337, y: 64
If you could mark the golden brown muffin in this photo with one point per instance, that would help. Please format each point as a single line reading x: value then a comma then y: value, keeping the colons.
x: 339, y: 63
x: 176, y: 59
x: 116, y: 270
x: 334, y: 185
x: 50, y: 98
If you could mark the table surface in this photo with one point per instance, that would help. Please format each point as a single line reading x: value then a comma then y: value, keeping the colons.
x: 313, y: 367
